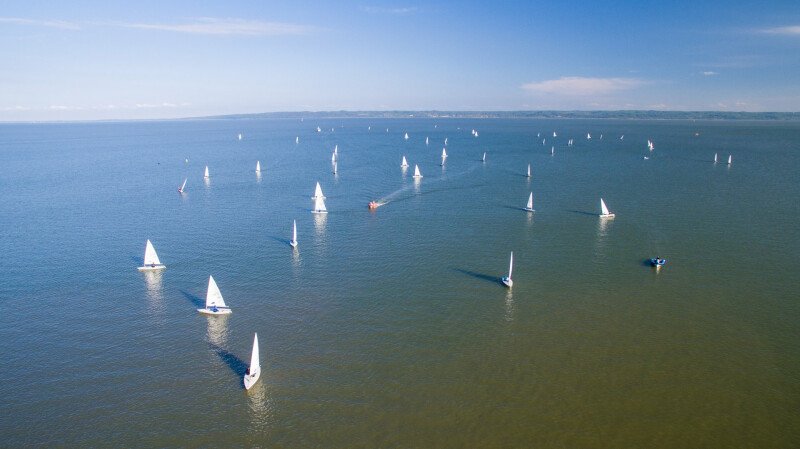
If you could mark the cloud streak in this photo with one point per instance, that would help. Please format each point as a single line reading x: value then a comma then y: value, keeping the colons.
x: 42, y: 23
x: 582, y: 86
x: 791, y: 30
x: 709, y: 73
x: 394, y: 11
x: 241, y: 27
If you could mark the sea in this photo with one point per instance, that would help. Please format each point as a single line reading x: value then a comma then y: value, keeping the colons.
x: 390, y: 328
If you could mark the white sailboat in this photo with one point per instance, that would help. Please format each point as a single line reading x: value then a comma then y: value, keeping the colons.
x: 258, y: 166
x: 405, y: 136
x: 730, y: 159
x: 604, y: 213
x: 318, y: 192
x: 426, y: 141
x: 297, y: 140
x: 404, y: 164
x: 335, y: 168
x: 182, y: 188
x: 417, y: 174
x: 552, y: 151
x: 336, y: 150
x: 445, y: 140
x: 506, y: 280
x: 484, y: 157
x: 476, y: 133
x: 588, y: 136
x: 293, y: 242
x: 205, y: 175
x: 333, y: 157
x: 319, y: 206
x: 319, y: 130
x: 151, y: 261
x: 444, y: 156
x: 529, y: 171
x: 215, y: 305
x: 715, y: 158
x: 529, y: 207
x: 240, y: 136
x: 554, y: 134
x: 254, y: 370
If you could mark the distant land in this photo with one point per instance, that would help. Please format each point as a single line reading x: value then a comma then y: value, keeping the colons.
x: 631, y: 115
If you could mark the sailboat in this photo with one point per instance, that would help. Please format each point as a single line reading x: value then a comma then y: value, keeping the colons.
x: 215, y: 305
x: 297, y: 140
x: 336, y: 150
x: 319, y: 206
x: 318, y: 192
x: 151, y: 261
x: 445, y: 140
x: 183, y: 186
x: 484, y: 157
x: 205, y: 175
x: 406, y: 136
x: 254, y: 370
x: 240, y: 136
x: 552, y: 151
x: 426, y: 141
x: 529, y: 171
x: 506, y: 280
x: 476, y: 133
x: 715, y: 158
x: 417, y: 174
x: 335, y: 168
x: 622, y: 137
x: 588, y: 136
x: 730, y: 159
x: 318, y: 129
x: 333, y: 157
x: 258, y: 166
x: 404, y: 164
x: 554, y: 134
x: 604, y: 213
x: 529, y: 207
x: 293, y: 242
x: 444, y: 156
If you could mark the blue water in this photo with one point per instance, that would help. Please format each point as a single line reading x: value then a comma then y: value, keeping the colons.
x: 390, y: 328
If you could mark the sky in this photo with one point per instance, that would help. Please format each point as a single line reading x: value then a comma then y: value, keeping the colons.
x: 90, y: 60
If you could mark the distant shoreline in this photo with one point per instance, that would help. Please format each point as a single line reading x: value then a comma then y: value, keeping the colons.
x: 611, y: 115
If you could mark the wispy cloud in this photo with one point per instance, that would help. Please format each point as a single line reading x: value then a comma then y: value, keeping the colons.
x: 214, y: 26
x: 579, y: 86
x: 396, y: 11
x: 42, y: 23
x: 709, y: 73
x: 791, y: 30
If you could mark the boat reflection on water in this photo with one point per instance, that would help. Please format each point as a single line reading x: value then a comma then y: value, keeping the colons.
x: 155, y: 291
x: 217, y: 329
x: 509, y: 315
x: 262, y: 415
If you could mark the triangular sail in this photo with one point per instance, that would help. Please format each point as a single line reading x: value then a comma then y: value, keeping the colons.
x: 404, y: 163
x: 150, y: 256
x: 183, y: 186
x: 258, y: 166
x: 255, y: 359
x: 529, y: 170
x: 510, y: 264
x: 213, y: 295
x: 417, y: 174
x: 715, y: 158
x: 730, y: 159
x: 318, y: 192
x: 444, y: 153
x: 294, y: 231
x: 205, y: 175
x: 484, y: 157
x: 333, y: 157
x: 530, y: 201
x: 603, y: 208
x: 426, y: 141
x: 336, y: 149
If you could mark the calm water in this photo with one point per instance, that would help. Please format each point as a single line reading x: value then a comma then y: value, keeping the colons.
x: 390, y: 329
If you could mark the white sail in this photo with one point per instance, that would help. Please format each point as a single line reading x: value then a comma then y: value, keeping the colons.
x: 426, y: 141
x: 336, y: 149
x: 319, y: 206
x: 484, y: 157
x: 444, y: 153
x: 552, y: 150
x: 404, y: 163
x: 205, y: 175
x: 293, y: 242
x: 730, y: 159
x: 529, y: 207
x: 254, y: 370
x: 715, y: 158
x: 258, y: 166
x: 213, y: 295
x: 335, y: 167
x: 554, y: 134
x: 529, y: 170
x: 183, y: 186
x: 150, y: 256
x: 604, y: 210
x: 588, y: 136
x: 318, y: 192
x: 318, y: 129
x: 406, y: 136
x: 297, y: 140
x: 240, y: 136
x: 511, y: 265
x: 417, y: 174
x: 333, y: 157
x: 445, y: 140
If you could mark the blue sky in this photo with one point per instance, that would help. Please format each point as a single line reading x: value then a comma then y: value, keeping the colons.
x: 159, y: 59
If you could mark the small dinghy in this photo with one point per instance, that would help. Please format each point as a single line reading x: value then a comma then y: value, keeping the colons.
x: 151, y: 261
x: 293, y: 242
x: 254, y: 370
x: 215, y: 305
x: 658, y: 262
x: 604, y: 213
x: 506, y: 280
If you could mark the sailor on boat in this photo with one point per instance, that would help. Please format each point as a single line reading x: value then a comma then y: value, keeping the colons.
x: 373, y: 205
x: 658, y: 261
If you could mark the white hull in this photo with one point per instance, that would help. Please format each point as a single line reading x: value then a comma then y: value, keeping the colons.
x: 215, y: 311
x: 293, y: 244
x: 250, y: 380
x: 152, y: 267
x: 319, y: 212
x: 529, y: 209
x: 606, y: 215
x: 507, y: 281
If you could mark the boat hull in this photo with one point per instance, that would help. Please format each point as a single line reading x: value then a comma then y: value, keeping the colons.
x: 152, y: 267
x: 293, y: 244
x: 250, y: 380
x: 606, y: 215
x: 215, y: 311
x: 319, y: 212
x: 507, y: 281
x: 528, y: 209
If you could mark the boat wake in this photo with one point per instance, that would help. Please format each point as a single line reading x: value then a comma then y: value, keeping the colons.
x: 402, y: 193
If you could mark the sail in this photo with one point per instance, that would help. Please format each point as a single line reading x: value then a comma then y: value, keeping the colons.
x: 417, y: 174
x: 510, y: 264
x: 297, y: 139
x: 333, y: 157
x: 206, y: 173
x: 603, y: 208
x: 530, y: 201
x: 404, y: 163
x: 730, y: 159
x: 213, y: 295
x: 319, y: 205
x: 183, y: 186
x: 336, y: 150
x: 484, y: 157
x: 150, y: 256
x: 715, y: 158
x: 258, y: 166
x: 445, y: 140
x: 294, y: 231
x: 406, y: 136
x: 529, y: 170
x: 255, y: 362
x: 554, y: 134
x: 588, y: 136
x: 426, y: 141
x: 318, y: 192
x: 444, y: 153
